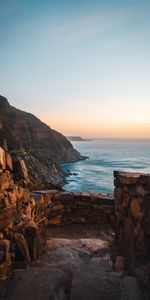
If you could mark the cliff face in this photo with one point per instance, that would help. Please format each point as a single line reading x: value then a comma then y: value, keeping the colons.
x: 42, y: 148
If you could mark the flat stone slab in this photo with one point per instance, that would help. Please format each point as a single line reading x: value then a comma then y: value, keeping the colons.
x: 75, y: 268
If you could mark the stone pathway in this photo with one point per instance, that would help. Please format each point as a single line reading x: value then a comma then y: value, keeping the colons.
x: 74, y: 269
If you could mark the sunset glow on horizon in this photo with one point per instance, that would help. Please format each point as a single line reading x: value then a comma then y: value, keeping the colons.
x: 116, y: 120
x: 96, y: 128
x: 83, y: 67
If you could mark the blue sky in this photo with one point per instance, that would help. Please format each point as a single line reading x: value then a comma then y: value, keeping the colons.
x: 81, y: 66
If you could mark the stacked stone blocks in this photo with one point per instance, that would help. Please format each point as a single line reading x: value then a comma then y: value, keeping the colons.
x: 62, y: 208
x: 16, y: 220
x: 132, y: 209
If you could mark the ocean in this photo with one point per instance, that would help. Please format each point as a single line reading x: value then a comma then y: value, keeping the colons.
x: 105, y: 156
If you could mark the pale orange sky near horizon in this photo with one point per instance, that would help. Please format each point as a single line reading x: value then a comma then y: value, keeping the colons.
x: 125, y: 118
x: 106, y: 126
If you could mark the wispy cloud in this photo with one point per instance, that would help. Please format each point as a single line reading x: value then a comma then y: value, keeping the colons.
x: 99, y: 22
x: 75, y: 27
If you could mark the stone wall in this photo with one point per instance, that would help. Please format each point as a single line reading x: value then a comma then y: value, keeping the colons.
x: 132, y: 208
x: 61, y: 208
x: 20, y: 236
x: 25, y: 215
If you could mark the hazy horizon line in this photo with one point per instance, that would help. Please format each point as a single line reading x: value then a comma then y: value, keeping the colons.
x: 109, y: 138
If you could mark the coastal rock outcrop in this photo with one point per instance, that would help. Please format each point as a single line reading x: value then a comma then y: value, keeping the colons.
x: 42, y: 148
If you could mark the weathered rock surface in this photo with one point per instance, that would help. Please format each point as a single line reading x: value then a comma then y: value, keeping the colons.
x: 74, y: 269
x: 42, y: 148
x: 21, y: 238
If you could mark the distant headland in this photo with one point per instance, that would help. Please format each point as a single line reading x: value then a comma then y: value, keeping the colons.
x: 76, y: 138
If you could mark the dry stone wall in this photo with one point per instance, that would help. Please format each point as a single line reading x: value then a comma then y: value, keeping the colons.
x: 61, y: 208
x: 132, y: 209
x: 24, y: 215
x: 20, y: 237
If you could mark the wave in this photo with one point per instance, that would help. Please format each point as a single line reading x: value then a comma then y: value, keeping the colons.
x: 96, y: 173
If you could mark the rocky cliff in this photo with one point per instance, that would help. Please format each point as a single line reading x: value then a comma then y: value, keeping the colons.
x: 42, y: 148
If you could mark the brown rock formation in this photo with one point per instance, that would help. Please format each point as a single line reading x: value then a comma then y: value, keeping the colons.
x: 42, y: 148
x: 20, y: 237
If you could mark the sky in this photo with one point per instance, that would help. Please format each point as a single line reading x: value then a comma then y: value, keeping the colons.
x: 83, y: 67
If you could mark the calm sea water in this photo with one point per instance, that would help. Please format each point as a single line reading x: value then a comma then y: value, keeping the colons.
x: 105, y: 156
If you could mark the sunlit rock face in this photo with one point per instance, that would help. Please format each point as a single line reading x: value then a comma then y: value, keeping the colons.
x: 21, y: 240
x: 42, y: 148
